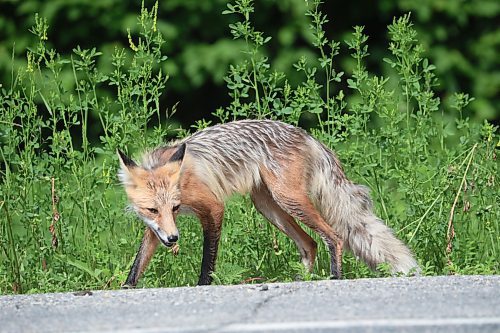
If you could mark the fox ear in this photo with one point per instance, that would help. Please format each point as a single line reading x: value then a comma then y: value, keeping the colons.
x: 125, y: 160
x: 126, y: 164
x: 174, y: 166
x: 178, y: 156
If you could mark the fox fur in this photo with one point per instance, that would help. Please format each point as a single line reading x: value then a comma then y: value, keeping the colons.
x: 288, y: 174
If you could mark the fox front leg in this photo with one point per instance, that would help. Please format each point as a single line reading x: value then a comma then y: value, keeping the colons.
x: 211, y: 224
x: 142, y: 259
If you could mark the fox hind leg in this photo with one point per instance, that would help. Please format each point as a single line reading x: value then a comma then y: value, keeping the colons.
x: 142, y: 259
x: 265, y: 204
x: 295, y: 201
x: 301, y: 208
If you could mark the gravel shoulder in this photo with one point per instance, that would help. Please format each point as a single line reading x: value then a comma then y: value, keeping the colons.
x: 418, y: 304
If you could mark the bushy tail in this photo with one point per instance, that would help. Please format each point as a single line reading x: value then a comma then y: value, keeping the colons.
x: 347, y: 207
x: 368, y: 236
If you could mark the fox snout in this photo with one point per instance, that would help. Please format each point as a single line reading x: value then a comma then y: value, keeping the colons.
x: 166, y: 239
x: 167, y: 236
x: 172, y: 238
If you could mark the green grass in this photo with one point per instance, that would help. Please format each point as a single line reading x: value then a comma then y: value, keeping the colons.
x: 432, y: 172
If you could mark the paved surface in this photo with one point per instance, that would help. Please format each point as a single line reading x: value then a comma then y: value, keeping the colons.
x: 426, y: 304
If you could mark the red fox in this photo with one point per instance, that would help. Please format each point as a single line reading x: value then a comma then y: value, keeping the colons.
x: 288, y: 174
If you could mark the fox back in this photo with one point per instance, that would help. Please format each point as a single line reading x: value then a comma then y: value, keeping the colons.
x: 229, y: 157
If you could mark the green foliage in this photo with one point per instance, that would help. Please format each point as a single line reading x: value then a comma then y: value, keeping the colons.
x: 460, y: 38
x: 63, y: 223
x: 52, y: 176
x: 469, y: 60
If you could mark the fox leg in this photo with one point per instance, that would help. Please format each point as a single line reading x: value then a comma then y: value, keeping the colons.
x: 146, y: 251
x: 265, y: 204
x: 292, y: 197
x: 300, y: 207
x: 211, y: 222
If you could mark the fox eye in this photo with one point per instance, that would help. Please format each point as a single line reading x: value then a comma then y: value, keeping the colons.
x: 176, y: 208
x: 152, y: 210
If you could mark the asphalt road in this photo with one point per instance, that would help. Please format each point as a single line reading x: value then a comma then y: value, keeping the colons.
x: 424, y: 304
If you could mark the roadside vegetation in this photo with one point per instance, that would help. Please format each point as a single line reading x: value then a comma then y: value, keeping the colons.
x: 433, y: 173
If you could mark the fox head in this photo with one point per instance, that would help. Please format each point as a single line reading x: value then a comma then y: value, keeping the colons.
x: 154, y: 193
